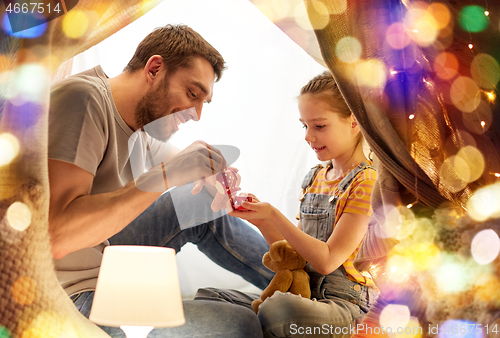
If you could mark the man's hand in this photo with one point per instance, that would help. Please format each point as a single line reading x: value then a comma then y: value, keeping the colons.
x: 196, y: 162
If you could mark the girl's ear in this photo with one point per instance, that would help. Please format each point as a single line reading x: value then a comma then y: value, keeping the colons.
x: 354, y: 123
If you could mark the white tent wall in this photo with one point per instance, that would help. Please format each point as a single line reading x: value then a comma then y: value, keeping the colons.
x: 254, y: 106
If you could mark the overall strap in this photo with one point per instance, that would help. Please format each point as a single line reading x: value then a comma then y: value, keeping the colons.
x: 344, y: 184
x: 311, y: 175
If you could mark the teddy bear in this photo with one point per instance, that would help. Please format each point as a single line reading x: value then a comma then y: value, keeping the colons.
x: 290, y: 275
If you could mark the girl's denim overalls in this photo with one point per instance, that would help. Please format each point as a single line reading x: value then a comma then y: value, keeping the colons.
x: 317, y: 215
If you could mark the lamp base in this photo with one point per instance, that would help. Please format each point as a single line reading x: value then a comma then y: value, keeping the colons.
x: 136, y: 331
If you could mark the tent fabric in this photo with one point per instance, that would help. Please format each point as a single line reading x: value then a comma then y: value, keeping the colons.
x: 32, y: 302
x: 417, y: 126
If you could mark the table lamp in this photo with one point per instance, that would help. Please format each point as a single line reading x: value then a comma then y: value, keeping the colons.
x: 138, y: 290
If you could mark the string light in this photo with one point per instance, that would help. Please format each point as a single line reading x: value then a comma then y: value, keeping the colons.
x: 410, y: 205
x: 471, y: 46
x: 411, y: 117
x: 394, y: 72
x: 497, y: 174
x: 483, y: 124
x: 491, y: 96
x: 486, y: 13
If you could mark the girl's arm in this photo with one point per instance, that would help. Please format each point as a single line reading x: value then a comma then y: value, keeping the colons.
x: 324, y: 257
x: 266, y: 228
x: 269, y: 231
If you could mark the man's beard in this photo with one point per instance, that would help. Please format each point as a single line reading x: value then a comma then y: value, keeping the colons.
x: 149, y: 116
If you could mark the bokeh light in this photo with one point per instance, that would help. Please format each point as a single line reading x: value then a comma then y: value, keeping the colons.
x: 491, y: 96
x: 4, y: 332
x: 391, y: 225
x: 448, y: 175
x: 473, y: 19
x: 49, y: 324
x: 479, y: 120
x: 29, y: 33
x: 487, y: 286
x: 318, y: 13
x: 9, y: 148
x: 485, y: 71
x: 348, y: 49
x: 394, y: 316
x: 411, y: 330
x: 24, y: 290
x: 52, y: 62
x: 29, y: 84
x: 281, y: 8
x: 4, y: 63
x: 454, y: 328
x: 483, y: 204
x: 465, y: 94
x: 301, y: 17
x: 398, y: 268
x: 75, y: 24
x: 418, y: 247
x: 405, y: 220
x: 445, y: 65
x: 440, y: 13
x: 267, y: 9
x: 485, y: 246
x: 422, y: 256
x: 396, y: 36
x: 19, y: 216
x: 421, y: 27
x: 371, y: 73
x: 336, y: 6
x: 452, y: 276
x: 469, y: 164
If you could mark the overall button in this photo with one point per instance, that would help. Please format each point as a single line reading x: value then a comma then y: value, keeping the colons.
x: 302, y: 196
x: 357, y: 287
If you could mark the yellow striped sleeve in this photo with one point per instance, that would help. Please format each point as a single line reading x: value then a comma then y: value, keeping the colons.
x: 359, y: 193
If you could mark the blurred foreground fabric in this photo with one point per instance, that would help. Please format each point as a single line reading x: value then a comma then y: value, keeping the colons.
x: 32, y: 304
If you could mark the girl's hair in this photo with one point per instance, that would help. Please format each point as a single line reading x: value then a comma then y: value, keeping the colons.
x: 324, y: 87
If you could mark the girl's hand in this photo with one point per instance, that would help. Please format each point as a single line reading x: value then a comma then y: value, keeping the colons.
x: 256, y: 211
x: 218, y: 191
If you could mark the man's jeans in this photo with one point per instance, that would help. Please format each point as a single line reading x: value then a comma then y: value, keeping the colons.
x: 228, y: 241
x: 204, y: 318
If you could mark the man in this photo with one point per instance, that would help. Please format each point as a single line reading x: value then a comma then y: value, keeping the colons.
x: 95, y: 196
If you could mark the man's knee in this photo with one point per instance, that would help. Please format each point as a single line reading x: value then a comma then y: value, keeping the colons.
x: 221, y: 319
x: 281, y: 310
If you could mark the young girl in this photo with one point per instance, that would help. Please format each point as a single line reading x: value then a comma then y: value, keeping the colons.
x: 334, y: 213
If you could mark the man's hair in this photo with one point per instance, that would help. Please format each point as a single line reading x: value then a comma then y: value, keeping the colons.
x: 325, y: 87
x: 177, y: 45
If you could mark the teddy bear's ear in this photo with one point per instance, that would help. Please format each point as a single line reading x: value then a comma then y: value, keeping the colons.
x: 277, y: 250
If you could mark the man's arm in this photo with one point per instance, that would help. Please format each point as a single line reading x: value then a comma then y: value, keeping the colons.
x: 77, y: 219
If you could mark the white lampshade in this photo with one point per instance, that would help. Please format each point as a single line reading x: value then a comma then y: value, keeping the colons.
x: 138, y: 286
